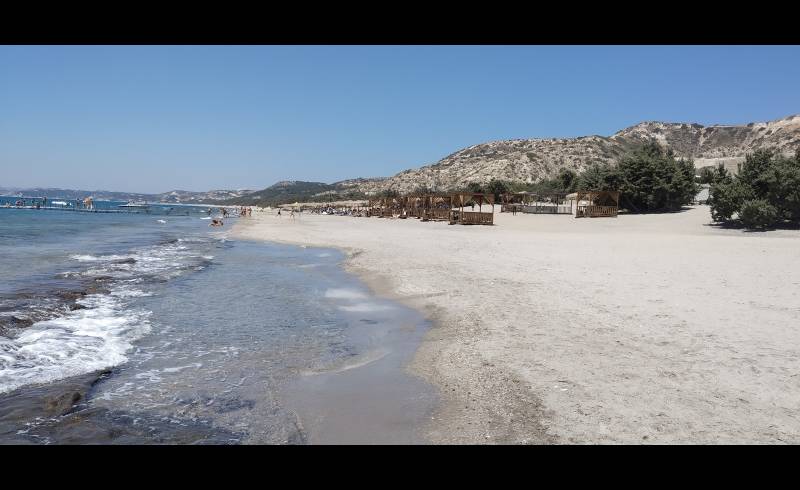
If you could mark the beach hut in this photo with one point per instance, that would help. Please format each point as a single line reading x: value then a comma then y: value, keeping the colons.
x: 479, y: 217
x: 510, y: 202
x: 596, y: 204
x: 436, y: 207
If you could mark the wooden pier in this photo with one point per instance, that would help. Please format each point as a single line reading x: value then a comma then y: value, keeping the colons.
x: 160, y: 209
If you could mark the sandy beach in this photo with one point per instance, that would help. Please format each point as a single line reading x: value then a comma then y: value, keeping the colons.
x: 550, y: 329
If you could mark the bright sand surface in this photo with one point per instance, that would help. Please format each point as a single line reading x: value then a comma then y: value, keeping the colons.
x: 649, y: 328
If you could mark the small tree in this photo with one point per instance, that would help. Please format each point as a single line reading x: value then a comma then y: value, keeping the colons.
x: 568, y: 179
x: 497, y: 187
x: 721, y: 173
x: 706, y: 175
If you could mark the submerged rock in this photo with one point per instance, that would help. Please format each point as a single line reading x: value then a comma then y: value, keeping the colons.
x: 58, y: 413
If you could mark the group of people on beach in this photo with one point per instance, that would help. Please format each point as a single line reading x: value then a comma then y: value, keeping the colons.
x: 224, y: 213
x: 339, y: 211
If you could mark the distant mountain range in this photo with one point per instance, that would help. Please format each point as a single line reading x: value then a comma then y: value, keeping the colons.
x: 177, y: 196
x: 521, y: 160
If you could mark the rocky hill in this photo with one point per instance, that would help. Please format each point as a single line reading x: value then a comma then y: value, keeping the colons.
x: 531, y: 160
x: 190, y: 197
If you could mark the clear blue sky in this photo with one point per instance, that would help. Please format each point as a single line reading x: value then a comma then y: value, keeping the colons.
x: 153, y: 118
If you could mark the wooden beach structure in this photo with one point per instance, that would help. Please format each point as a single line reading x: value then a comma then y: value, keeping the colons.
x: 413, y: 206
x: 596, y: 204
x: 512, y: 201
x: 536, y: 203
x: 436, y: 207
x: 547, y: 203
x: 479, y: 217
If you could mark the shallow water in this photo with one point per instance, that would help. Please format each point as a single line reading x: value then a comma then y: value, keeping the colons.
x: 243, y: 342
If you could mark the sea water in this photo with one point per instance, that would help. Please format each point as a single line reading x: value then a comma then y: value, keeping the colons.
x: 254, y: 342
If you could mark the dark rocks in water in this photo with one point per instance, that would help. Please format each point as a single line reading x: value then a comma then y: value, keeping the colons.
x: 233, y: 404
x: 71, y: 295
x: 128, y: 260
x: 96, y: 288
x: 76, y: 306
x: 46, y: 401
x: 58, y: 413
x: 102, y: 278
x: 21, y: 321
x: 102, y: 426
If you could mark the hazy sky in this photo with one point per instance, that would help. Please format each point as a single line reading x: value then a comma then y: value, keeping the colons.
x: 155, y: 118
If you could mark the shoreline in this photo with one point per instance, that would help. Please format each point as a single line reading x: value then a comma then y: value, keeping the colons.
x: 477, y: 421
x: 550, y: 329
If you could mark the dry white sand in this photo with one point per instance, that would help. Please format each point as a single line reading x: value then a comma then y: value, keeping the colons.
x: 656, y: 328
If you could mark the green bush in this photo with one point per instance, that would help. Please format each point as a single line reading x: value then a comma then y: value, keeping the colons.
x: 758, y: 214
x: 764, y: 177
x: 726, y: 198
x: 568, y: 180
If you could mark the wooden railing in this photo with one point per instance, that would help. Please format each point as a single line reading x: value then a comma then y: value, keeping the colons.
x: 471, y: 218
x: 593, y: 211
x: 436, y: 214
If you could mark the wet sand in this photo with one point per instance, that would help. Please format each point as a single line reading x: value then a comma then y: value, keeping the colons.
x: 550, y: 329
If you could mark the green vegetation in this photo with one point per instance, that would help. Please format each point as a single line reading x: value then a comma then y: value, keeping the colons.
x: 496, y: 187
x: 706, y: 175
x: 388, y: 193
x: 289, y: 192
x: 764, y: 194
x: 474, y: 187
x: 649, y: 178
x: 758, y: 214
